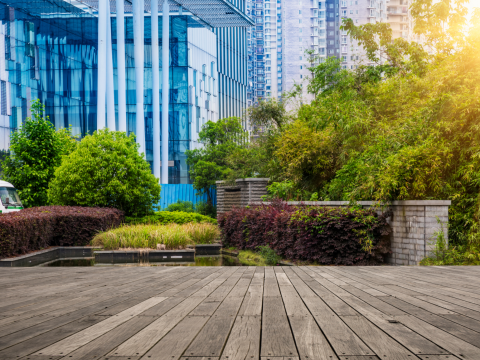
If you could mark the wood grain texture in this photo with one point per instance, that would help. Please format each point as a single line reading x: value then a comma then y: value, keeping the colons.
x: 240, y: 313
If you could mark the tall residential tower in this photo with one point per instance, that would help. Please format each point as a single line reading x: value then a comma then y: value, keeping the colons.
x: 285, y: 29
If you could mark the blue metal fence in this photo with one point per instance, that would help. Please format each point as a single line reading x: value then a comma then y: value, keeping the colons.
x: 171, y: 193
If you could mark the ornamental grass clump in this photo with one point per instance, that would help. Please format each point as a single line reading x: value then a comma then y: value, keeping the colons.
x: 172, y: 236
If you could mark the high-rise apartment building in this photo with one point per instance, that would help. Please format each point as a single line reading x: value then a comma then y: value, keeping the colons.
x: 361, y: 12
x: 285, y: 29
x: 399, y: 18
x: 99, y: 63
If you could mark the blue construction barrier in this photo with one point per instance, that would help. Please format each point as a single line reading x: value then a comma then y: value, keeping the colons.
x: 171, y: 193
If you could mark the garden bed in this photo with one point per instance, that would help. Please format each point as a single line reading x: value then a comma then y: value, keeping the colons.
x: 321, y: 235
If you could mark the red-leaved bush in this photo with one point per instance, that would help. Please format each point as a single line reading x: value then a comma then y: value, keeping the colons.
x: 328, y: 236
x: 39, y: 227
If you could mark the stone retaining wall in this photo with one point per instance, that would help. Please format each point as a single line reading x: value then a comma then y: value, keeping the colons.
x: 414, y: 222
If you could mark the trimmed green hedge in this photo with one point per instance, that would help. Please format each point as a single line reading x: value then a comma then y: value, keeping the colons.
x: 171, y: 217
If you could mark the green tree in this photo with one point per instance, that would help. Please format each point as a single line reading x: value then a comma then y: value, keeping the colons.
x: 209, y: 164
x: 268, y: 113
x: 36, y: 150
x: 3, y: 155
x: 106, y: 170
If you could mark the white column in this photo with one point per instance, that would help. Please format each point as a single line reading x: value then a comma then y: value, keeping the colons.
x: 110, y: 87
x: 138, y: 14
x: 155, y: 89
x: 102, y: 63
x: 165, y: 88
x: 122, y: 102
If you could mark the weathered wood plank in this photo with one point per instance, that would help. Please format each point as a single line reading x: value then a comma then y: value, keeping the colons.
x: 277, y: 338
x: 383, y: 345
x: 311, y: 342
x: 212, y: 338
x: 107, y: 342
x: 173, y: 345
x: 81, y: 338
x: 244, y: 340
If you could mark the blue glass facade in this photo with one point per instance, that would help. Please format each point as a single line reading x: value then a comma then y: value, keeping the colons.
x: 232, y: 55
x: 51, y: 60
x: 49, y: 51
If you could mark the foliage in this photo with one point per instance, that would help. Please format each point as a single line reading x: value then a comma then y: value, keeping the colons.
x: 106, y: 170
x: 206, y: 209
x: 183, y: 206
x: 287, y: 190
x: 328, y: 236
x: 36, y: 150
x: 404, y: 129
x: 166, y: 217
x: 208, y: 164
x: 3, y: 155
x: 251, y: 258
x: 40, y: 227
x: 268, y: 113
x: 270, y: 256
x: 442, y: 254
x: 442, y: 22
x: 402, y: 56
x: 172, y: 236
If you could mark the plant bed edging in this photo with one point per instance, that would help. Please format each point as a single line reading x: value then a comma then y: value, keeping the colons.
x: 208, y: 249
x: 135, y: 256
x: 48, y: 255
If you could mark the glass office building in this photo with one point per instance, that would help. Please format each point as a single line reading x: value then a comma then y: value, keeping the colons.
x: 51, y: 50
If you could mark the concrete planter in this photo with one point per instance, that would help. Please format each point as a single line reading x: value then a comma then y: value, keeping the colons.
x: 48, y: 255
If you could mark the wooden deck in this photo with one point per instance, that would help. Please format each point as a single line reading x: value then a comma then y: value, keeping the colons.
x: 240, y: 313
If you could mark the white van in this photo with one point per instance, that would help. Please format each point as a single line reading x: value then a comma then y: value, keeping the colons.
x: 9, y: 200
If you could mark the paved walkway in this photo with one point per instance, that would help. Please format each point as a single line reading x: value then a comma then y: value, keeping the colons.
x: 240, y: 313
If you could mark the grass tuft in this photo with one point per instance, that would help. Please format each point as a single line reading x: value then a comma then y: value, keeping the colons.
x: 173, y: 236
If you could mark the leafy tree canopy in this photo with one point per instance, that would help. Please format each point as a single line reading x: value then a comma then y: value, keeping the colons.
x: 106, y: 170
x: 36, y: 150
x: 209, y: 163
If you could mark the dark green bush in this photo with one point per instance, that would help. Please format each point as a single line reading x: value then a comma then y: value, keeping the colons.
x: 184, y: 206
x: 206, y: 209
x: 167, y: 217
x: 271, y: 257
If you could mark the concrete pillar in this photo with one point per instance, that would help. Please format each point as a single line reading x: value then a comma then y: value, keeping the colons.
x: 102, y: 63
x: 155, y: 90
x: 138, y: 14
x: 122, y: 102
x: 165, y: 88
x: 110, y: 90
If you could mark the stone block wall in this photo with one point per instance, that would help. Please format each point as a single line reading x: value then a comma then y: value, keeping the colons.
x: 413, y: 222
x: 246, y: 191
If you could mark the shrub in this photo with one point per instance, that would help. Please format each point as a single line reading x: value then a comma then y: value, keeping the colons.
x: 206, y: 209
x: 106, y: 170
x: 36, y: 150
x: 328, y: 236
x: 166, y: 217
x: 250, y: 258
x: 41, y: 227
x: 271, y: 257
x: 184, y: 206
x: 173, y: 236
